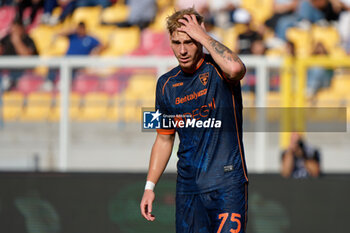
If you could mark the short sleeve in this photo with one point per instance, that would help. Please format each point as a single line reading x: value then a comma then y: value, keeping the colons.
x: 162, y: 107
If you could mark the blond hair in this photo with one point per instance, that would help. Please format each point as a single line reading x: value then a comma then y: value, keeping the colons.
x: 173, y: 20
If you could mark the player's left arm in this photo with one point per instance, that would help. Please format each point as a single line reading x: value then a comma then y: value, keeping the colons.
x: 228, y: 61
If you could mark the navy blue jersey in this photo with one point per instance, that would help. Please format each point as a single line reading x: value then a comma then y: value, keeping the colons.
x: 209, y: 158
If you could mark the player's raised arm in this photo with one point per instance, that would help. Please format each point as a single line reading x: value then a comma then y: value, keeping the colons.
x: 228, y: 61
x: 160, y: 155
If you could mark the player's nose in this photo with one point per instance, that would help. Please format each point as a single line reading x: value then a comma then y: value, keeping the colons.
x: 183, y: 50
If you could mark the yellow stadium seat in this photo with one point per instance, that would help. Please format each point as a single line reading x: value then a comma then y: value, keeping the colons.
x: 116, y: 13
x: 301, y: 39
x: 123, y: 41
x: 274, y: 99
x: 230, y: 35
x: 42, y: 36
x: 12, y: 105
x: 141, y: 85
x: 59, y: 46
x: 341, y: 85
x: 74, y: 107
x: 159, y: 23
x: 38, y: 107
x: 248, y: 99
x: 260, y: 10
x: 328, y: 36
x: 89, y: 15
x: 114, y: 109
x: 95, y: 107
x: 104, y: 33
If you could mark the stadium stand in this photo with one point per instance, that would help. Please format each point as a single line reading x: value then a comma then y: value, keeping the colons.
x: 7, y: 14
x: 117, y: 88
x: 37, y: 107
x: 12, y: 105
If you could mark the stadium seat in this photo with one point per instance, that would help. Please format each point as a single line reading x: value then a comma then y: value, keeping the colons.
x: 42, y: 36
x: 29, y: 83
x: 328, y: 36
x: 158, y: 24
x: 248, y: 99
x: 85, y: 83
x: 12, y: 105
x: 89, y: 15
x: 95, y: 107
x: 7, y: 14
x: 301, y: 39
x: 153, y: 43
x: 260, y: 10
x: 74, y: 107
x: 104, y: 34
x: 115, y: 13
x: 37, y: 18
x: 58, y: 47
x: 111, y: 85
x: 115, y: 108
x: 273, y: 99
x: 38, y: 107
x: 123, y: 41
x: 141, y: 85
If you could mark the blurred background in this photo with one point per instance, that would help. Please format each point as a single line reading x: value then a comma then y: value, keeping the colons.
x: 75, y: 75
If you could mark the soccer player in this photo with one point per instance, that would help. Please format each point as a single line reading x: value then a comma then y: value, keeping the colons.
x: 211, y: 190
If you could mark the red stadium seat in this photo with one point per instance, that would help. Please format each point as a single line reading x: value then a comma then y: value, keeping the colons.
x: 7, y: 14
x: 29, y: 83
x: 37, y: 18
x: 154, y: 43
x: 85, y: 83
x: 115, y: 83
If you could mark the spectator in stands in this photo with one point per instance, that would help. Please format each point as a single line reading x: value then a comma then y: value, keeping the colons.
x: 67, y: 6
x: 103, y: 3
x: 80, y: 43
x: 16, y: 43
x: 344, y: 22
x: 249, y: 41
x: 223, y: 12
x: 142, y: 13
x: 281, y: 8
x: 300, y: 160
x: 308, y: 12
x: 318, y: 77
x: 35, y: 5
x: 6, y: 2
x: 201, y: 6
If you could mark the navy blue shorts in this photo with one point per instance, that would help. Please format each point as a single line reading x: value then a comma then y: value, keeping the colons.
x: 218, y: 211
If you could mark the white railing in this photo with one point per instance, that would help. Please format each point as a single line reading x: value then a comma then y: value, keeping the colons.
x: 162, y: 64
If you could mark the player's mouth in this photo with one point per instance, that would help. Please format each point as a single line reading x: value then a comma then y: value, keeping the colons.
x: 184, y: 60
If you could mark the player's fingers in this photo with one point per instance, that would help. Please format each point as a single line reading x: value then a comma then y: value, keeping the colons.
x: 188, y: 17
x: 143, y: 209
x: 149, y: 208
x: 194, y: 18
x: 203, y: 26
x: 183, y: 21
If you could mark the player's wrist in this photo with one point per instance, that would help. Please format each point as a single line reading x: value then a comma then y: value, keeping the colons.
x: 149, y: 185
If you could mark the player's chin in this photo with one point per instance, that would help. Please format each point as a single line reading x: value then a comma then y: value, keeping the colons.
x: 186, y: 65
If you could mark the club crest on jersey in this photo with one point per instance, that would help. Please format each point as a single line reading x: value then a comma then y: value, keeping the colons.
x: 204, y: 78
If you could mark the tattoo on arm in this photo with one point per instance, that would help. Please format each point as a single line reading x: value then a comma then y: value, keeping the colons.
x: 226, y: 53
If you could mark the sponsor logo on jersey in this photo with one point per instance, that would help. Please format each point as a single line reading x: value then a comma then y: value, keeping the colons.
x: 178, y: 84
x: 193, y: 96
